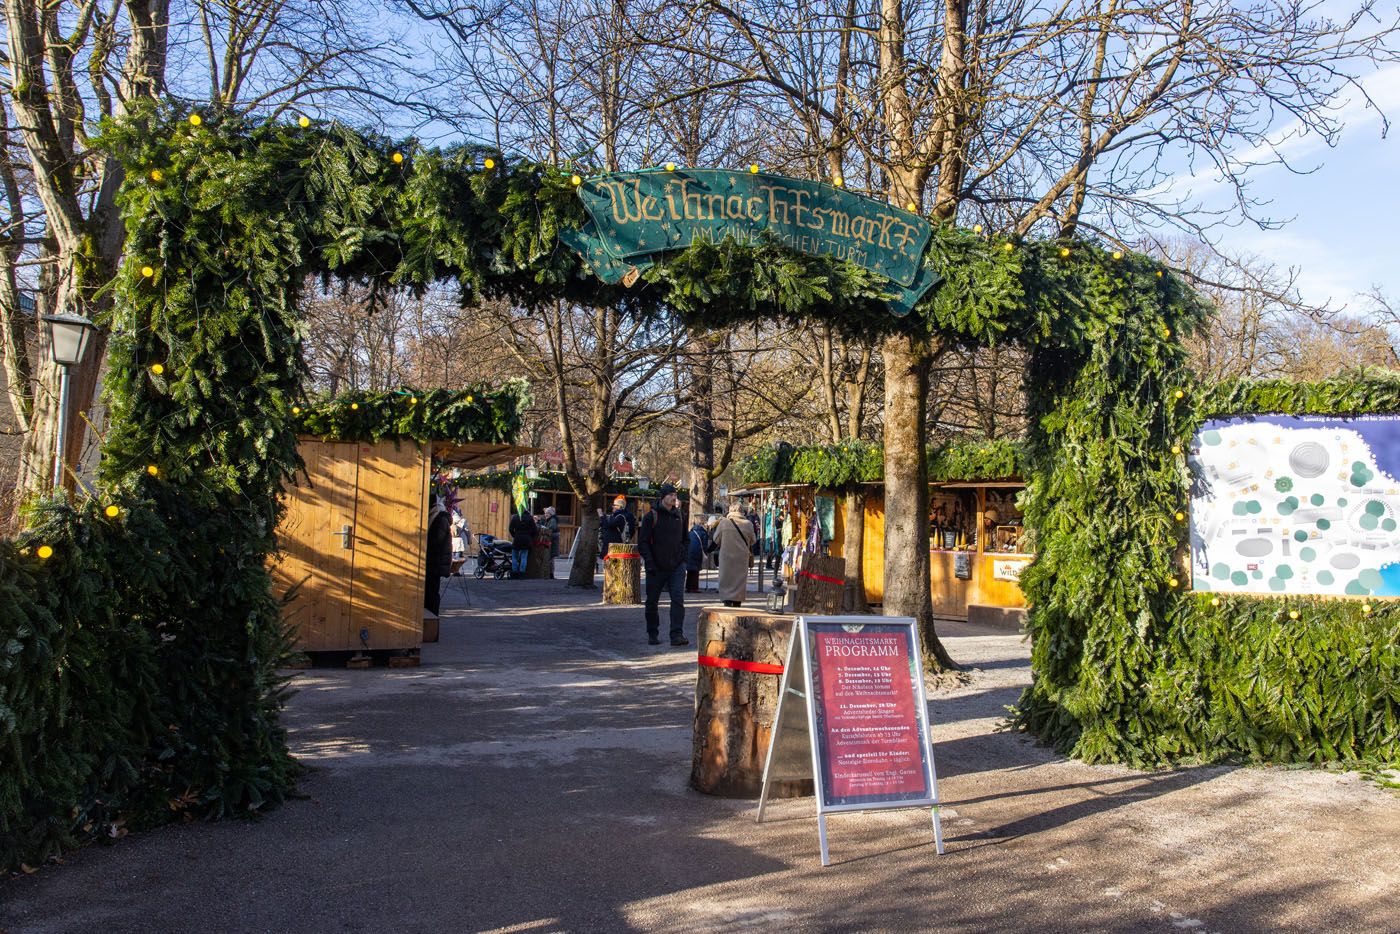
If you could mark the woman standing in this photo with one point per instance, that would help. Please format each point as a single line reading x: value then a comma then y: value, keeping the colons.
x: 735, y: 537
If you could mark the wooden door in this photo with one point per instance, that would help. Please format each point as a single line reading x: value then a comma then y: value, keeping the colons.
x: 315, y: 557
x: 390, y: 540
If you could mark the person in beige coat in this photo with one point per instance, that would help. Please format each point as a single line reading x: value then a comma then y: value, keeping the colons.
x: 735, y: 536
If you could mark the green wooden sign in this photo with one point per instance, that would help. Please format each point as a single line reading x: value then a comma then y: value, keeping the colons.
x: 636, y: 215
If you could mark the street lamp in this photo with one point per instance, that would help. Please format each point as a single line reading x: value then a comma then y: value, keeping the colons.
x: 68, y: 338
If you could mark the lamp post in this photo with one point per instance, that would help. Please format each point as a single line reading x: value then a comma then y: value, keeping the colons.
x: 68, y: 338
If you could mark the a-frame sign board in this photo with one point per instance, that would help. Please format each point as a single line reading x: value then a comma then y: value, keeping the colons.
x: 853, y: 716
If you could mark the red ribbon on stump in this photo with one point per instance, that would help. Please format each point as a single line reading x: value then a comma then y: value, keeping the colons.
x: 820, y: 577
x: 762, y: 668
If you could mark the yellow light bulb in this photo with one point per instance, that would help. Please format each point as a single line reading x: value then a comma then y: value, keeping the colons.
x: 575, y: 181
x: 45, y: 552
x: 490, y: 163
x: 296, y: 410
x: 911, y: 207
x: 354, y: 406
x: 1008, y: 247
x: 838, y: 181
x: 112, y: 511
x: 304, y: 122
x: 1166, y: 332
x: 1117, y: 254
x: 753, y: 169
x: 196, y: 119
x: 976, y: 228
x: 1176, y: 449
x: 1181, y: 517
x: 1366, y: 608
x: 1159, y: 274
x: 1064, y: 252
x: 1215, y: 601
x: 147, y: 271
x: 157, y: 175
x: 1173, y: 582
x: 397, y: 157
x: 1180, y: 394
x: 412, y: 400
x: 152, y: 469
x: 469, y: 400
x: 1292, y: 614
x: 157, y: 368
x: 670, y: 167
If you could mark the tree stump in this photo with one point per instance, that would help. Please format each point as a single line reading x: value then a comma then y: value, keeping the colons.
x: 734, y: 709
x: 538, y: 565
x: 622, y: 575
x: 821, y: 586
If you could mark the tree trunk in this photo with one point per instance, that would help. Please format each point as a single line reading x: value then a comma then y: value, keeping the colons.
x: 585, y: 566
x: 853, y: 546
x: 906, y: 493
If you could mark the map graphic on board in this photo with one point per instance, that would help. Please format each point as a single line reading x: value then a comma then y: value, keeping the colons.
x: 1288, y: 504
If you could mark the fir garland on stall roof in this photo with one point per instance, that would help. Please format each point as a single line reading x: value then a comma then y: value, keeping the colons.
x: 848, y: 464
x: 480, y: 413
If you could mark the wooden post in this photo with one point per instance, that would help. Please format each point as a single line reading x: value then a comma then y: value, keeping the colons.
x: 735, y: 708
x: 622, y: 575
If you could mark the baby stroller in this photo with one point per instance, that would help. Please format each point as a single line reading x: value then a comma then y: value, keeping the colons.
x: 493, y: 558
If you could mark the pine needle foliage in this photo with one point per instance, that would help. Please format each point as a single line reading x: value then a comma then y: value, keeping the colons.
x: 1131, y: 669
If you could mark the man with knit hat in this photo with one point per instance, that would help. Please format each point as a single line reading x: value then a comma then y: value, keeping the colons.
x: 662, y: 542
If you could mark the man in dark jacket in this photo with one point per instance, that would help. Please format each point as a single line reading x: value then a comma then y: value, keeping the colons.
x: 662, y: 542
x: 439, y: 554
x: 523, y: 532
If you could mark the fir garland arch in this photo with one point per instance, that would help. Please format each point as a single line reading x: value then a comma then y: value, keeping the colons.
x: 159, y: 617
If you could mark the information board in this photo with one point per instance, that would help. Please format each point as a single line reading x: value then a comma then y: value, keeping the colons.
x: 853, y: 700
x: 1284, y: 504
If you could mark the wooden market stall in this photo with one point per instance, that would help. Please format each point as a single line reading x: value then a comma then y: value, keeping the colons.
x: 487, y: 506
x: 978, y: 544
x: 352, y: 542
x: 977, y: 550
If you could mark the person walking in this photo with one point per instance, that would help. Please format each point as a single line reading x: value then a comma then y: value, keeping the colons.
x: 523, y: 532
x: 698, y: 546
x: 439, y: 554
x: 662, y: 542
x: 735, y: 537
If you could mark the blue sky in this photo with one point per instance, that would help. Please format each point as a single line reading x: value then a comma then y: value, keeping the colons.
x: 1342, y: 236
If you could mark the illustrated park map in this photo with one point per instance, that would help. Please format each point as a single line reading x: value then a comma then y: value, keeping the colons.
x: 1296, y: 505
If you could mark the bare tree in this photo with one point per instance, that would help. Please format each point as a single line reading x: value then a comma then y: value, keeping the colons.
x: 73, y: 63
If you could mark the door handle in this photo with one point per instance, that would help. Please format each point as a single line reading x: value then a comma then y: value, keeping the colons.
x: 344, y: 534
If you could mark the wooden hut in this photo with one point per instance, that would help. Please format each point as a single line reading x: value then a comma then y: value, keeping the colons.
x: 977, y: 549
x: 485, y: 501
x: 353, y: 539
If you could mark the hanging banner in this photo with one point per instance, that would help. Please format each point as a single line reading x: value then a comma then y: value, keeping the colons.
x: 635, y: 215
x: 866, y: 718
x: 1285, y: 504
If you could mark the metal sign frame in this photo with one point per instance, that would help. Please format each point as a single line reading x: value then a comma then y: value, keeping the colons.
x: 799, y: 662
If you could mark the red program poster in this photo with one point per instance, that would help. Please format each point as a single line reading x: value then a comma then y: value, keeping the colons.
x: 869, y: 732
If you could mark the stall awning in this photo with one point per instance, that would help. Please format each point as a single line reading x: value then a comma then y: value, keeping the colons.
x: 475, y: 455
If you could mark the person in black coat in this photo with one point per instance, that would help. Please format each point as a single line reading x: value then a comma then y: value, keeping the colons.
x: 699, y: 545
x: 664, y: 545
x: 439, y: 554
x: 523, y: 532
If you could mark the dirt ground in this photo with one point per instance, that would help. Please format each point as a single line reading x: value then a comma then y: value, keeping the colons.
x: 531, y: 776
